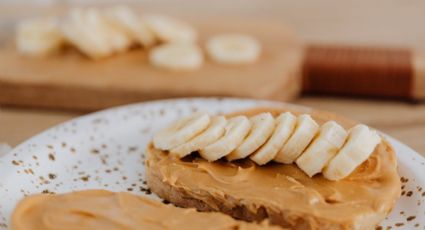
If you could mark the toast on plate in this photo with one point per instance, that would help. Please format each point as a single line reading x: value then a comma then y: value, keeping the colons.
x: 353, y: 186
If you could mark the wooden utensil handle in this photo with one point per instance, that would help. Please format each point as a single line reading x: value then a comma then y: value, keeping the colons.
x: 364, y: 71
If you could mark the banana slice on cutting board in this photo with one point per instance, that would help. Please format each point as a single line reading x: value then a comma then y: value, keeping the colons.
x: 177, y: 56
x: 124, y: 19
x: 323, y: 148
x: 169, y: 29
x: 262, y: 127
x: 115, y: 38
x: 89, y: 31
x: 305, y: 130
x: 39, y: 36
x: 285, y: 125
x: 181, y: 131
x: 80, y: 33
x: 233, y: 49
x: 359, y: 146
x: 235, y: 132
x: 214, y: 131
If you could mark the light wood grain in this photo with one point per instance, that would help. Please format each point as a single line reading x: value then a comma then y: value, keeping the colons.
x: 419, y: 75
x: 70, y: 80
x: 17, y: 125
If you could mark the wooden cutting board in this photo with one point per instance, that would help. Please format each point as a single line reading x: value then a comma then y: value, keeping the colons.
x: 71, y: 81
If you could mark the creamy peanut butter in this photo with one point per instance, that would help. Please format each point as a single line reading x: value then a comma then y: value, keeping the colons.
x: 100, y: 209
x: 359, y: 201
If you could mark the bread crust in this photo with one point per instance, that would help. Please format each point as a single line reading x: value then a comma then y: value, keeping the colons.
x: 238, y: 209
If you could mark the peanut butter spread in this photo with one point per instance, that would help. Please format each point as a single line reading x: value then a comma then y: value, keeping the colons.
x: 363, y: 198
x: 100, y: 209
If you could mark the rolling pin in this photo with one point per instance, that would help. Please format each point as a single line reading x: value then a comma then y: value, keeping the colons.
x: 364, y: 71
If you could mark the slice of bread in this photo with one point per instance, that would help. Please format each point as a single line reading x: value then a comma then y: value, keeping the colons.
x: 281, y: 193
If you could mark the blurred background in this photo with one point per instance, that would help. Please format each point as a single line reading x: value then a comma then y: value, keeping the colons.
x: 380, y: 23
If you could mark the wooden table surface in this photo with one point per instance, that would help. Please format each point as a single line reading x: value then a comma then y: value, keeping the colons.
x: 381, y: 22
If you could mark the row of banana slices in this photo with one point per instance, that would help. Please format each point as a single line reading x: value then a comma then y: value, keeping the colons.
x: 99, y: 33
x: 329, y: 148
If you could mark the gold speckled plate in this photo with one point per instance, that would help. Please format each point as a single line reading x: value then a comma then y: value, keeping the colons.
x: 106, y: 150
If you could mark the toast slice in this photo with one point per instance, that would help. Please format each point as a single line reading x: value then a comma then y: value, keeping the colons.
x: 281, y: 193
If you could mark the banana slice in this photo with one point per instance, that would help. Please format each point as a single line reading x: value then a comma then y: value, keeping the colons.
x: 262, y: 128
x: 39, y: 37
x: 89, y: 31
x: 115, y: 38
x: 124, y: 19
x: 233, y: 49
x: 235, y: 132
x: 359, y: 146
x: 181, y: 131
x: 78, y: 34
x: 176, y: 56
x: 323, y: 148
x: 285, y: 125
x: 169, y: 29
x: 210, y: 135
x: 305, y: 131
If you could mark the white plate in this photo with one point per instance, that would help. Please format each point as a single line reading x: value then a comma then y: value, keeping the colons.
x: 106, y: 150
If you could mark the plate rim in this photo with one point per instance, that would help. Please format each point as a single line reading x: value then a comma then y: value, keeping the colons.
x: 108, y: 110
